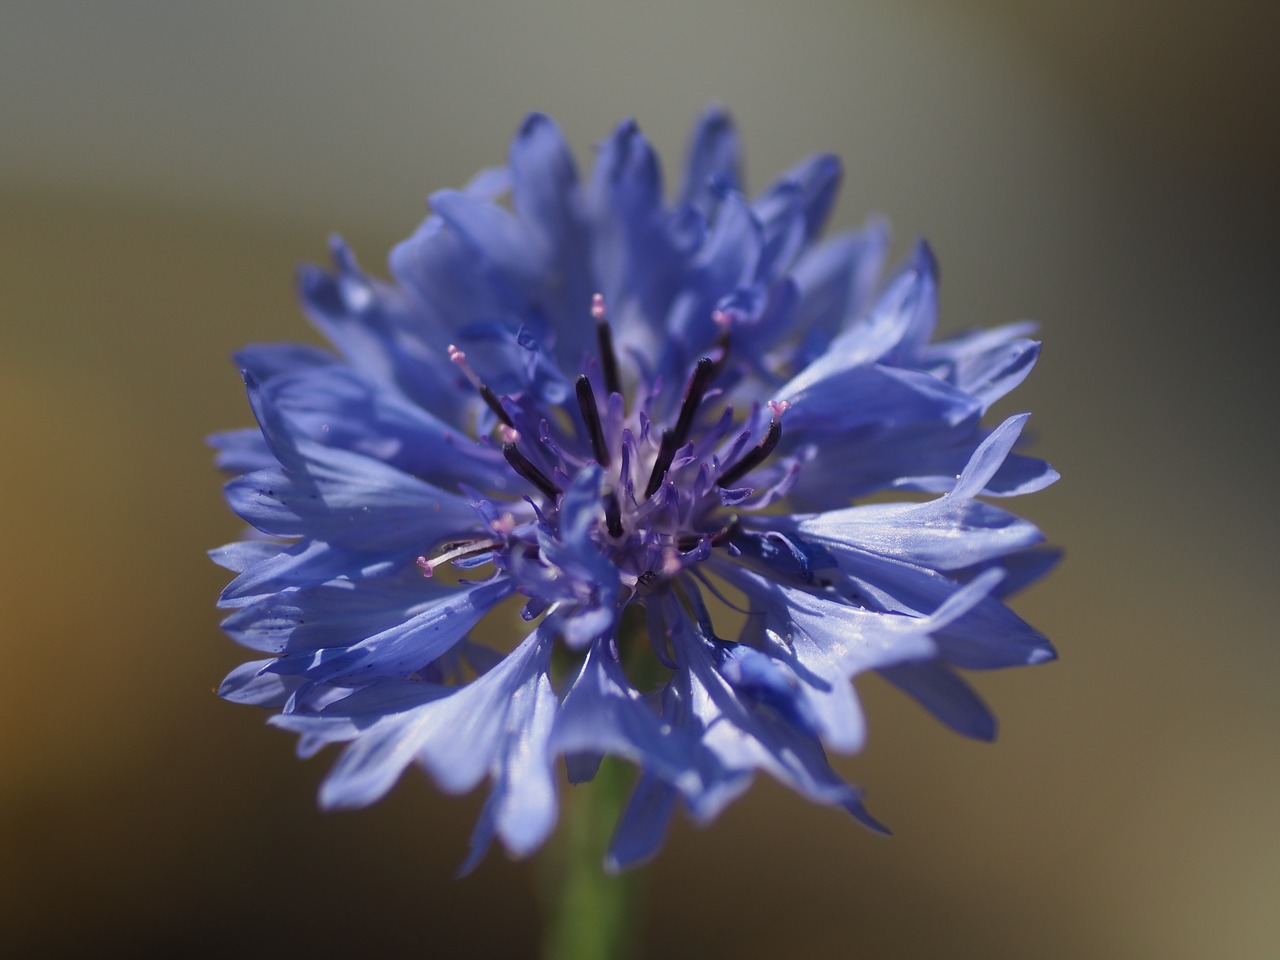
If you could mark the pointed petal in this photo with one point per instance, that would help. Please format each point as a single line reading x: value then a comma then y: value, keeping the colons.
x: 836, y: 280
x: 545, y: 181
x: 642, y: 826
x: 335, y: 407
x: 946, y: 696
x: 818, y: 179
x: 248, y: 684
x: 340, y: 497
x: 604, y: 714
x: 713, y: 157
x: 302, y: 564
x: 406, y: 647
x: 949, y: 533
x: 849, y: 398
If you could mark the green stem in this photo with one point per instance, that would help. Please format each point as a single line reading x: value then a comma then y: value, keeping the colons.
x: 590, y: 915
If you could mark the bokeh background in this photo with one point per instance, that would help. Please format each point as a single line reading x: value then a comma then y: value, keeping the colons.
x: 1107, y: 168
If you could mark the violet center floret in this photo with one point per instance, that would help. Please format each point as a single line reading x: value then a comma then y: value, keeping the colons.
x: 668, y: 480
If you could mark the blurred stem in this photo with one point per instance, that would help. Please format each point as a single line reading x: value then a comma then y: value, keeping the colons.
x: 590, y: 915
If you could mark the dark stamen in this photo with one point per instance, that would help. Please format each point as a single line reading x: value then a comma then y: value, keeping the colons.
x: 666, y: 453
x: 760, y: 452
x: 523, y: 466
x: 717, y: 539
x: 591, y: 417
x: 490, y: 398
x: 693, y: 394
x: 613, y: 514
x: 604, y: 339
x: 493, y: 403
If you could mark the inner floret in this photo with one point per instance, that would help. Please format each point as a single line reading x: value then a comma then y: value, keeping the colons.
x: 669, y: 493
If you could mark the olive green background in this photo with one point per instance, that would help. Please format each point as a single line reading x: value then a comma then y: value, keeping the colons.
x: 1108, y: 169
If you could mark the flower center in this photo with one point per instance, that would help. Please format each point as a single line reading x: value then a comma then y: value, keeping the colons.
x: 667, y: 496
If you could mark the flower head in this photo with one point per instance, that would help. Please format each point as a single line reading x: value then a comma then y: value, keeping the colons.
x: 643, y: 426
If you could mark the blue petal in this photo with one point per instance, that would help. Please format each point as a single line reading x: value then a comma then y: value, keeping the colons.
x: 946, y: 696
x: 900, y: 321
x: 987, y: 636
x: 1020, y: 569
x: 924, y: 450
x: 781, y: 215
x: 835, y: 281
x: 272, y: 567
x: 991, y: 374
x: 241, y: 451
x: 475, y: 278
x: 384, y: 335
x: 743, y: 739
x: 822, y: 654
x: 949, y: 533
x: 381, y: 748
x: 266, y: 360
x: 492, y: 234
x: 945, y: 534
x: 856, y: 638
x: 545, y: 182
x: 764, y: 680
x: 550, y: 206
x: 642, y: 826
x: 569, y: 568
x: 337, y: 408
x: 332, y: 614
x: 604, y: 714
x: 459, y: 737
x: 239, y: 557
x: 818, y: 179
x: 727, y: 260
x: 521, y: 808
x: 248, y: 683
x: 912, y: 296
x: 406, y: 647
x: 852, y: 400
x: 630, y: 254
x: 340, y: 497
x: 713, y: 158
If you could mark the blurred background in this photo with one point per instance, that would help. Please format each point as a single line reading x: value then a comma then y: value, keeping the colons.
x: 1106, y: 168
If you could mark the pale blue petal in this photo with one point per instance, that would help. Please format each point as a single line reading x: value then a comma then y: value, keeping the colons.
x: 643, y: 825
x: 272, y: 567
x: 949, y: 533
x: 946, y: 696
x: 248, y: 684
x: 604, y: 714
x: 340, y: 497
x: 406, y: 647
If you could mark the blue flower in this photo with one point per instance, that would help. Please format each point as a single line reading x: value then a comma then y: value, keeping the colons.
x: 624, y: 419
